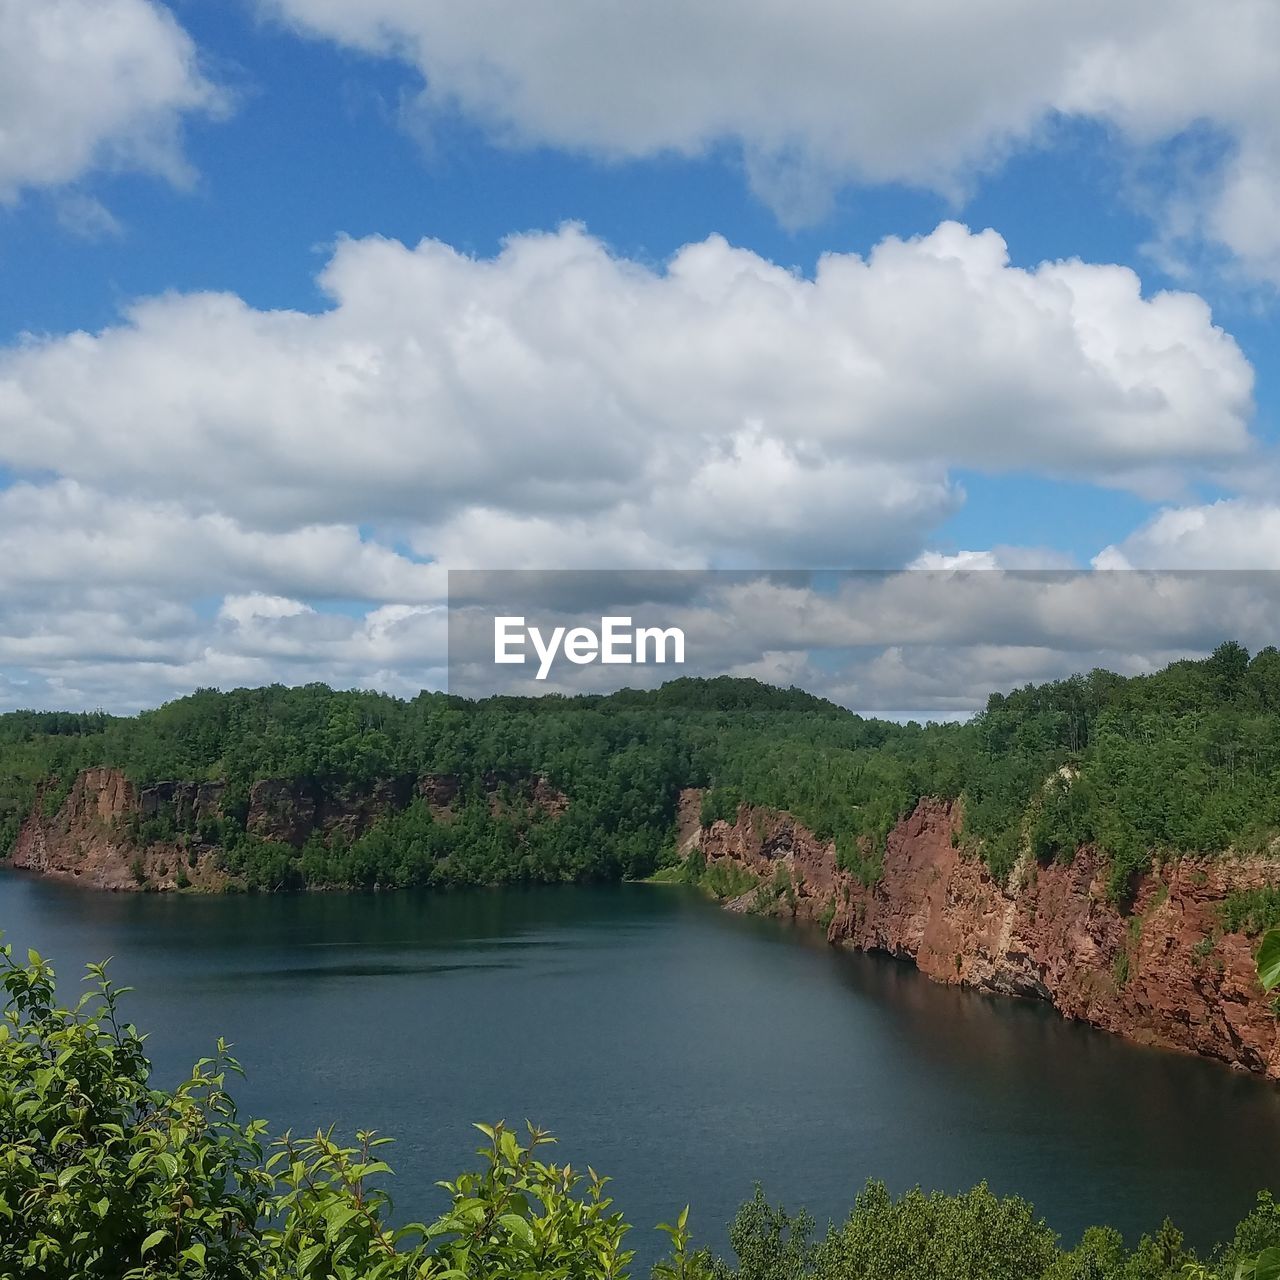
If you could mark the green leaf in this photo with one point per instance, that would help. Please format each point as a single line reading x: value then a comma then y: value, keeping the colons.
x: 154, y: 1239
x: 1266, y: 1265
x: 517, y: 1226
x: 1269, y: 960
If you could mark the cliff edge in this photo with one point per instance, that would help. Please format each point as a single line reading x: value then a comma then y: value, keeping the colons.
x: 1166, y: 973
x: 98, y: 835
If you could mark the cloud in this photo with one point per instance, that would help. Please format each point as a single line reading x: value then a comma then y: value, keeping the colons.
x: 818, y: 94
x: 125, y: 649
x: 94, y: 84
x: 559, y: 379
x: 64, y: 533
x: 1003, y: 557
x: 1234, y: 533
x: 278, y: 494
x: 87, y: 217
x: 919, y: 92
x: 925, y: 644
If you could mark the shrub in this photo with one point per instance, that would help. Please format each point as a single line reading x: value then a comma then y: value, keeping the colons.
x: 726, y: 879
x: 103, y: 1177
x: 973, y: 1236
x: 860, y: 858
x: 1251, y: 911
x: 719, y: 804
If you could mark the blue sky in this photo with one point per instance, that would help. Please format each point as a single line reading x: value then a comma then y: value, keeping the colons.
x: 242, y: 148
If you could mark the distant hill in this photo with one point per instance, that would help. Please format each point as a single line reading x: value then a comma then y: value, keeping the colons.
x: 1185, y: 759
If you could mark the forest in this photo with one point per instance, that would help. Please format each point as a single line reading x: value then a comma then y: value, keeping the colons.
x: 1182, y: 760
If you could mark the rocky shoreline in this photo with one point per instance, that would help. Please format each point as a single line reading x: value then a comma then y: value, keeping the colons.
x: 1164, y: 974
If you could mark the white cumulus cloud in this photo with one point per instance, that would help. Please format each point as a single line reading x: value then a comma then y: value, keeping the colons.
x: 1233, y: 533
x: 88, y: 84
x: 214, y: 493
x: 557, y: 377
x: 815, y: 93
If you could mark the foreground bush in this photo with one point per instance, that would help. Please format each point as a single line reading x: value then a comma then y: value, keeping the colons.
x: 103, y: 1177
x: 973, y: 1236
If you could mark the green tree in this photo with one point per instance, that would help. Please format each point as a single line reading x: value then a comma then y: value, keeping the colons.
x: 103, y: 1177
x: 974, y: 1236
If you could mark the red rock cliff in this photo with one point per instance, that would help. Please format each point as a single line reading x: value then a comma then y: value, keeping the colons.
x: 91, y: 837
x: 1166, y: 974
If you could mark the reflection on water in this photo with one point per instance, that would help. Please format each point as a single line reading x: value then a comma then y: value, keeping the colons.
x: 294, y: 973
x: 683, y: 1050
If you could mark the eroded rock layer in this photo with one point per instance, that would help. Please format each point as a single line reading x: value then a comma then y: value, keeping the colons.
x: 1164, y: 973
x: 98, y: 836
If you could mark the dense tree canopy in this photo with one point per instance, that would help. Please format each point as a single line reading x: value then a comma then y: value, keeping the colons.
x: 1185, y: 759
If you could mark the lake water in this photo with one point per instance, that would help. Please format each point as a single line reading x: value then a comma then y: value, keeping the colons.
x: 685, y: 1051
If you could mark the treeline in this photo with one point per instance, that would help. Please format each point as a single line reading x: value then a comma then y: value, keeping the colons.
x: 1187, y: 759
x: 106, y: 1176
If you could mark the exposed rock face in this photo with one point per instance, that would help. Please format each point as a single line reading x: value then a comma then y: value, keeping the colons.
x: 92, y: 838
x: 542, y: 795
x: 441, y: 790
x: 189, y: 802
x: 290, y: 812
x: 1163, y: 975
